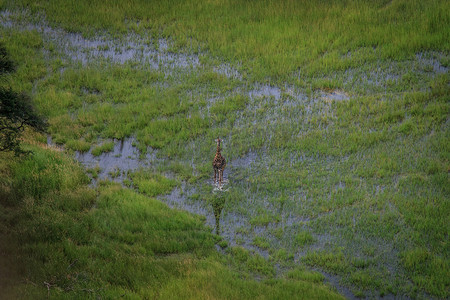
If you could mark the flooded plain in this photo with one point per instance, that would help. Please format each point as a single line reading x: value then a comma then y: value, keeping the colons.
x: 251, y: 209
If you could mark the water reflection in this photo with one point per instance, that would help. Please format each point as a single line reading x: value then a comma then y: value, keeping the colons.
x: 218, y: 203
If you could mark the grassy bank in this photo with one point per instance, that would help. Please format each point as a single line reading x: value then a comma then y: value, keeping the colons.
x: 339, y: 164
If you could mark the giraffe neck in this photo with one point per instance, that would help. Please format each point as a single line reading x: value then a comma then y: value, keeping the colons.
x: 218, y: 147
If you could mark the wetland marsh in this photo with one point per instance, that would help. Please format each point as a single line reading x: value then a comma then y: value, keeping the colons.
x: 337, y: 149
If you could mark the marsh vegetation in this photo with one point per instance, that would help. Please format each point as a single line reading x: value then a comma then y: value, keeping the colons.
x: 335, y: 127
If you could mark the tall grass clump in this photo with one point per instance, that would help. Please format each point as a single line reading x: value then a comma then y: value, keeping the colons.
x: 105, y: 147
x: 151, y: 184
x: 46, y: 172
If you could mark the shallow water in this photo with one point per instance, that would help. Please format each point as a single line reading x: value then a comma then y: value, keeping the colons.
x: 87, y: 50
x: 228, y: 71
x: 265, y: 91
x: 224, y: 221
x: 335, y: 95
x: 115, y: 165
x: 433, y: 61
x: 123, y: 159
x: 245, y: 161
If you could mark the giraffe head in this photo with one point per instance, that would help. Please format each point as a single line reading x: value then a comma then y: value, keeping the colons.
x: 218, y: 140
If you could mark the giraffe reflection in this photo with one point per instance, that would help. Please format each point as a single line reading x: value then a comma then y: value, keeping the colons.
x: 218, y: 203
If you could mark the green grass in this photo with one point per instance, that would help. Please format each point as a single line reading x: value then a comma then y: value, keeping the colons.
x: 334, y: 262
x: 78, y: 145
x: 105, y: 147
x: 261, y: 243
x: 302, y: 274
x: 115, y: 172
x: 426, y: 269
x: 226, y: 109
x: 263, y: 220
x: 151, y: 184
x: 355, y: 187
x: 94, y: 171
x: 303, y: 238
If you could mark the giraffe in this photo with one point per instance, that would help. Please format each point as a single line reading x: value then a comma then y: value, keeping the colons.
x: 218, y: 163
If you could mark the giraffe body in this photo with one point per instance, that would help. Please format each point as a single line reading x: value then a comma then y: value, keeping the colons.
x: 218, y: 164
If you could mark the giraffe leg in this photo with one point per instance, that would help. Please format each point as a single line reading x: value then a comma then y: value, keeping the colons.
x: 215, y: 175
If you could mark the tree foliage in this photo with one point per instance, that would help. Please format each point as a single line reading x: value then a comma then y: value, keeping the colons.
x: 16, y: 111
x: 6, y: 65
